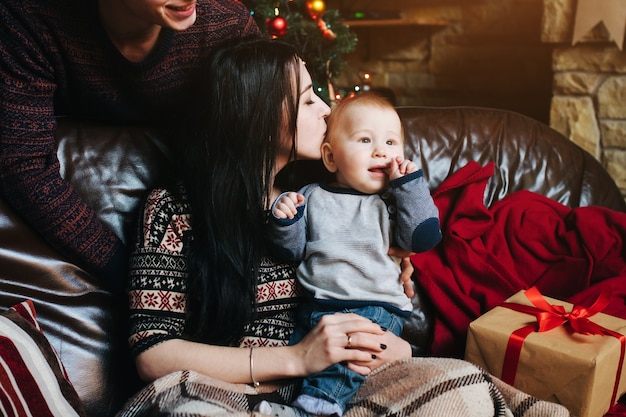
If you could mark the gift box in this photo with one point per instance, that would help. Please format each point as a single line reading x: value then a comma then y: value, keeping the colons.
x: 553, y: 350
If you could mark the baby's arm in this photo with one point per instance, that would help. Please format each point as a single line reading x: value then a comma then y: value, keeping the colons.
x: 400, y: 167
x: 417, y: 217
x: 287, y: 227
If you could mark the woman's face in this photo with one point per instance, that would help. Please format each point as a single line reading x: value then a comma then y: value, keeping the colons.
x: 174, y: 14
x: 310, y: 122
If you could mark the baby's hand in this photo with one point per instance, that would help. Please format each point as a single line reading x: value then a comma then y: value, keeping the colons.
x: 286, y: 207
x: 400, y: 167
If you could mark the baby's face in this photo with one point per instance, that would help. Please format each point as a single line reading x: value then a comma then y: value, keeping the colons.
x: 363, y: 146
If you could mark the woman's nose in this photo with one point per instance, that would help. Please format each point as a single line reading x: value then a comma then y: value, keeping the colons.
x: 325, y: 109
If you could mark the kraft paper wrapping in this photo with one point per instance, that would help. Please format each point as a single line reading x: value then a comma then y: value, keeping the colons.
x: 575, y: 370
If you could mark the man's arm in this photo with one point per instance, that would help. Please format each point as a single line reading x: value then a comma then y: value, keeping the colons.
x: 29, y: 169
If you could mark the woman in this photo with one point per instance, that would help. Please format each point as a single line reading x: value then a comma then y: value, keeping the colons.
x: 209, y: 310
x: 120, y: 61
x: 238, y: 133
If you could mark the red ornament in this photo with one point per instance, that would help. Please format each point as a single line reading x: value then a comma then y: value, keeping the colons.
x: 316, y: 8
x: 276, y: 26
x: 327, y: 33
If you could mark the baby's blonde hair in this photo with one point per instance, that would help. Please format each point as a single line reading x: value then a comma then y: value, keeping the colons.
x: 367, y: 98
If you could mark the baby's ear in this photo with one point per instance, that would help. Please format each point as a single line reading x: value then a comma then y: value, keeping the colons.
x: 328, y: 158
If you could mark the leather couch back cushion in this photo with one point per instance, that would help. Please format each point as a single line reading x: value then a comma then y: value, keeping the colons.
x: 111, y: 167
x: 528, y: 155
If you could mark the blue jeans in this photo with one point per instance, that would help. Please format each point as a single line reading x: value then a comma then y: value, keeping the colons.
x: 337, y: 384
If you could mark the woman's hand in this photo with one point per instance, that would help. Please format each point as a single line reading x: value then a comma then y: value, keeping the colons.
x: 341, y: 337
x: 407, y: 270
x: 382, y: 349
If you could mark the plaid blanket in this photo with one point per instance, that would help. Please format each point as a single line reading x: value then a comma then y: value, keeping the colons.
x: 412, y: 387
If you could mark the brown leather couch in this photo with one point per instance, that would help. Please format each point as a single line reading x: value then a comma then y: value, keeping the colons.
x: 112, y: 166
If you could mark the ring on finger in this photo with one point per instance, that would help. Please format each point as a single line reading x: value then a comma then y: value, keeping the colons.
x: 349, y: 345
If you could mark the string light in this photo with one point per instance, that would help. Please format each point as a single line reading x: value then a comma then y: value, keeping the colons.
x: 308, y: 23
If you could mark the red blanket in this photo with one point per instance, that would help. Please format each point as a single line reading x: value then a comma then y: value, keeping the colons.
x: 523, y: 240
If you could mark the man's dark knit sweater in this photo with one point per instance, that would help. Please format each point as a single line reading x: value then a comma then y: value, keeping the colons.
x: 55, y: 60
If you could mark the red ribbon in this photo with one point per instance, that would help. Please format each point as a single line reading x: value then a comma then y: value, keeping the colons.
x: 550, y: 316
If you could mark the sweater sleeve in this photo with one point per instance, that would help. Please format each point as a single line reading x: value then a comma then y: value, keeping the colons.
x: 417, y: 228
x: 30, y: 180
x: 158, y: 273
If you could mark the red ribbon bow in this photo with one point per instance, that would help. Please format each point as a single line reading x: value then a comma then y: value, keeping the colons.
x: 550, y: 316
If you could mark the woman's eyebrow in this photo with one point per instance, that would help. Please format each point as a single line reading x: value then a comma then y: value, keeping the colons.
x: 307, y: 88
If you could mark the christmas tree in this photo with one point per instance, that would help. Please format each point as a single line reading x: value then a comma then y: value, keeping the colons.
x: 316, y: 32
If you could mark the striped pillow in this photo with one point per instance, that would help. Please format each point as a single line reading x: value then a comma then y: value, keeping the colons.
x: 33, y: 381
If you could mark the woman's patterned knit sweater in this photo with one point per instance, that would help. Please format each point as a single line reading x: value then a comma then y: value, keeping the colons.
x: 157, y: 287
x: 56, y: 60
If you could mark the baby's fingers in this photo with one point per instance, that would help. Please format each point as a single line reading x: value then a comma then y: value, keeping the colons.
x: 296, y: 199
x: 406, y: 166
x: 286, y: 207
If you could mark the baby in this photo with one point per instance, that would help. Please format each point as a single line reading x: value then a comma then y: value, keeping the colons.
x: 341, y: 233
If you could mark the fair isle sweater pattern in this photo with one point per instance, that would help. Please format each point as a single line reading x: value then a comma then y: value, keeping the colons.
x: 157, y: 285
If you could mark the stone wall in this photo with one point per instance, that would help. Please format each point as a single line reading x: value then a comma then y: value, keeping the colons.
x: 589, y: 88
x: 487, y: 53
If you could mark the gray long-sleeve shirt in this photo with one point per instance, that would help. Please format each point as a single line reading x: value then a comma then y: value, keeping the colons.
x: 342, y: 238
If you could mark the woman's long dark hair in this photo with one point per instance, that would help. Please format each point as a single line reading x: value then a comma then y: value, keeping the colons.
x: 244, y: 102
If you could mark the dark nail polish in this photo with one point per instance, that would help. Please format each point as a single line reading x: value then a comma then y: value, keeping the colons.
x: 384, y: 328
x: 383, y: 346
x: 373, y: 356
